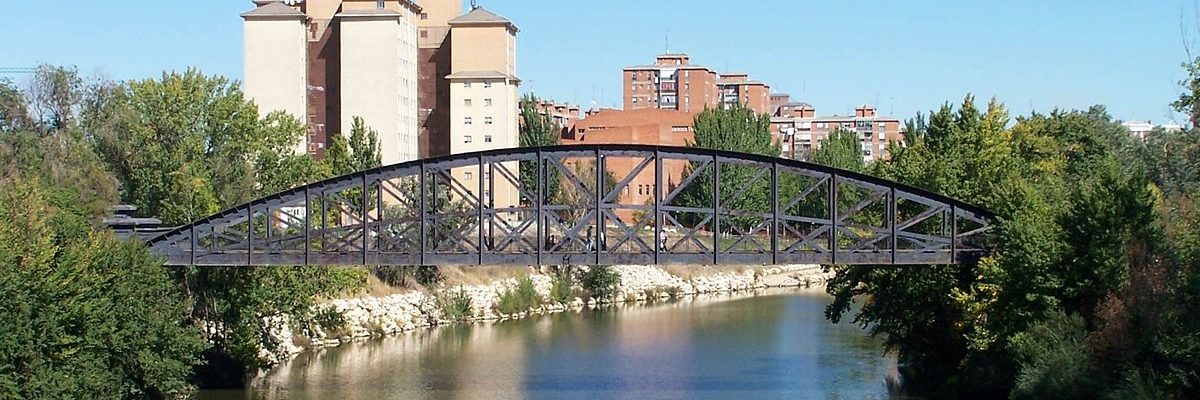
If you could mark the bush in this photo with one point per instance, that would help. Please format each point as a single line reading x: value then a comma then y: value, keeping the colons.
x: 600, y: 282
x: 455, y: 306
x: 332, y: 322
x: 400, y: 275
x: 561, y: 290
x: 519, y: 298
x: 84, y: 315
x: 1055, y: 361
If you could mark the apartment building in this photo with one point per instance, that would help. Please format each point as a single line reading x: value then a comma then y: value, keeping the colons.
x: 566, y: 116
x: 483, y: 94
x: 737, y: 88
x: 358, y: 58
x: 1142, y: 129
x: 674, y: 83
x: 796, y: 125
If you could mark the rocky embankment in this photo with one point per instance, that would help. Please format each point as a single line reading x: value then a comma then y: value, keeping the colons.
x: 382, y: 316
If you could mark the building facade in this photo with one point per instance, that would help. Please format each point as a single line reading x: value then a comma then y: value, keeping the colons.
x: 379, y: 77
x: 674, y: 83
x: 483, y: 95
x: 276, y: 57
x: 797, y: 127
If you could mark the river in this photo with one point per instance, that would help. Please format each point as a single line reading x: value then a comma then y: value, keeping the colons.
x: 770, y: 345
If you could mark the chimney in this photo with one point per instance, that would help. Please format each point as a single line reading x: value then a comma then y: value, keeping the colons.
x: 379, y: 4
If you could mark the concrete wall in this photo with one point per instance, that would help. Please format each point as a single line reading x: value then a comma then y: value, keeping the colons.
x: 484, y: 48
x: 379, y: 81
x: 275, y: 67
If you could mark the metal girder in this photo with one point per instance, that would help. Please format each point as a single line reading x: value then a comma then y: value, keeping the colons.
x: 692, y: 206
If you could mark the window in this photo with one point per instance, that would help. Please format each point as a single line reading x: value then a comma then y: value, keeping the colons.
x: 467, y: 84
x: 467, y: 176
x: 487, y: 84
x: 679, y: 128
x: 487, y: 102
x: 487, y: 138
x: 467, y: 139
x: 466, y: 120
x: 487, y: 120
x: 424, y: 34
x: 424, y: 16
x: 635, y: 99
x: 467, y: 102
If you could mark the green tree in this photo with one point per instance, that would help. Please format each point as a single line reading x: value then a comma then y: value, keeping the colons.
x: 739, y: 129
x: 83, y: 314
x: 842, y: 149
x: 538, y: 129
x: 14, y: 113
x: 187, y: 145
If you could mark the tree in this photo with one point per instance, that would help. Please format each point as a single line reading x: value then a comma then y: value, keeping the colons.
x: 14, y: 113
x: 1189, y: 100
x: 538, y: 129
x: 83, y: 314
x: 842, y: 149
x: 187, y: 145
x: 737, y: 129
x: 55, y: 95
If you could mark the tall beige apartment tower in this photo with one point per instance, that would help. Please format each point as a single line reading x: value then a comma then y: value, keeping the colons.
x: 347, y: 59
x: 276, y: 61
x: 483, y: 91
x: 379, y: 73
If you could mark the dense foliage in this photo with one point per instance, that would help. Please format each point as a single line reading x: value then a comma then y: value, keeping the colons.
x: 83, y: 314
x: 1060, y: 308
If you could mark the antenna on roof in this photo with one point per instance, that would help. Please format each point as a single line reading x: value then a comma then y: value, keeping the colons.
x: 473, y: 5
x: 668, y: 41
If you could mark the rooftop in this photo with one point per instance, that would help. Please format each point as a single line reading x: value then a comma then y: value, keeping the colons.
x: 274, y: 9
x: 481, y: 16
x: 489, y: 74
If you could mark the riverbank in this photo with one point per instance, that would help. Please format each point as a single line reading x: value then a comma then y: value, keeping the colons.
x: 378, y: 316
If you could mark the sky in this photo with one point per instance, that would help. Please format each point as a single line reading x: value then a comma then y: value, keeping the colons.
x: 903, y: 57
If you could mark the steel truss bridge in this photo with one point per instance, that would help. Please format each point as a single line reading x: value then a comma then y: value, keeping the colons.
x: 541, y: 206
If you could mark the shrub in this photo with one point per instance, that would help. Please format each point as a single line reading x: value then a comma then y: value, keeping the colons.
x: 399, y: 275
x: 600, y: 282
x: 519, y: 298
x: 455, y: 306
x: 561, y: 290
x: 1055, y: 361
x: 332, y: 322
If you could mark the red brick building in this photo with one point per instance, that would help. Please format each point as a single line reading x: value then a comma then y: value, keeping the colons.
x: 674, y: 83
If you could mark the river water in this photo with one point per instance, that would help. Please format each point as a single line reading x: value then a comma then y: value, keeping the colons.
x: 765, y: 346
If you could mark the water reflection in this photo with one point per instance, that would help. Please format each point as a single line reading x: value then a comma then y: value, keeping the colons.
x: 766, y: 346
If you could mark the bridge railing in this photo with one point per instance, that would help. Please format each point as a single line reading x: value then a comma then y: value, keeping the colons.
x: 601, y: 205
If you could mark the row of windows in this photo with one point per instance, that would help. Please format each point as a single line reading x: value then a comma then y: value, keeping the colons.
x: 469, y: 138
x: 486, y: 84
x: 486, y: 102
x: 486, y: 120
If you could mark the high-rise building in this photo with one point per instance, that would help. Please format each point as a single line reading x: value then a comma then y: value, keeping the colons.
x: 674, y: 83
x: 483, y: 93
x: 379, y: 75
x: 737, y: 88
x: 359, y: 59
x: 276, y: 60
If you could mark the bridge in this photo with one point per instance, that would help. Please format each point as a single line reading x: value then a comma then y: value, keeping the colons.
x: 549, y: 206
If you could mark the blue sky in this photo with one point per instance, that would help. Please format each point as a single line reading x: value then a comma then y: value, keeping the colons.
x: 903, y: 56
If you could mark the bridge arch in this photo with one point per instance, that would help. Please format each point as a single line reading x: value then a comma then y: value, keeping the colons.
x: 664, y: 205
